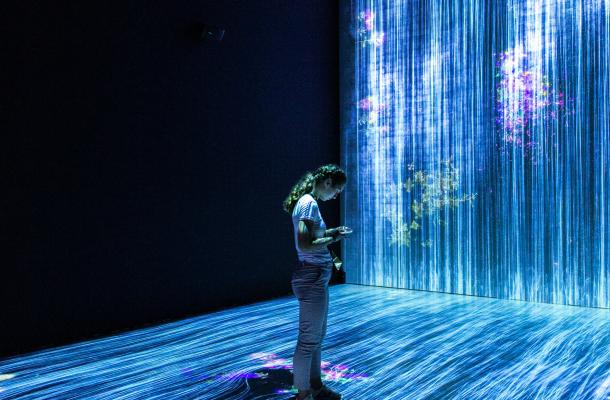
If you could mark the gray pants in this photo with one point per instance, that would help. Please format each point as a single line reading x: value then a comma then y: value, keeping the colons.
x: 310, y: 286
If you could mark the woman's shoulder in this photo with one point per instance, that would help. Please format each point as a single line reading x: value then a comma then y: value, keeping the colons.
x: 305, y: 201
x: 307, y: 198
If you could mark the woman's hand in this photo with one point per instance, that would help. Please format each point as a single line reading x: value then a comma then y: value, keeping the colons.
x: 337, y: 238
x: 338, y: 233
x: 344, y: 230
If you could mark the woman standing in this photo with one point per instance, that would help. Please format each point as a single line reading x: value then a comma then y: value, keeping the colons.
x: 310, y: 279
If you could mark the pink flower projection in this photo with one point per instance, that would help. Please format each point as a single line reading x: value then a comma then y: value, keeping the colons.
x: 372, y: 108
x: 366, y: 33
x: 330, y: 372
x: 525, y: 99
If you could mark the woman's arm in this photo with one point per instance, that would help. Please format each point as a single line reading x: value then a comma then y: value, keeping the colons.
x: 331, y: 232
x: 338, y: 231
x: 306, y: 240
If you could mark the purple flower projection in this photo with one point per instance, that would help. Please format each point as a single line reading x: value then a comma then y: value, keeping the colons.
x: 372, y: 107
x: 334, y: 373
x: 525, y: 99
x: 367, y: 36
x: 263, y: 365
x: 367, y: 18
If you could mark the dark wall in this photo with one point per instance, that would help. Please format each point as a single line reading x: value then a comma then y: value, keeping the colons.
x: 144, y: 170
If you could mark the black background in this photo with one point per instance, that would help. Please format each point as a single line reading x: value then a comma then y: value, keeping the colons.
x: 144, y: 169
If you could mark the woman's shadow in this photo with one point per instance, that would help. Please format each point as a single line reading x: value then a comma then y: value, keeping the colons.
x: 265, y: 383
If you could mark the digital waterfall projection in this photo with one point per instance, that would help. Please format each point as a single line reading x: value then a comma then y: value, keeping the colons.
x: 508, y: 102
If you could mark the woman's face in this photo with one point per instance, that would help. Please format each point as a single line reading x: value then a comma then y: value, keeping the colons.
x: 328, y: 191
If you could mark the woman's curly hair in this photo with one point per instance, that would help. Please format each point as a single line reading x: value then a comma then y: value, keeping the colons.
x: 310, y: 179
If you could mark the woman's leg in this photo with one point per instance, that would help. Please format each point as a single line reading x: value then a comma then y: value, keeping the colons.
x: 315, y: 377
x: 311, y: 288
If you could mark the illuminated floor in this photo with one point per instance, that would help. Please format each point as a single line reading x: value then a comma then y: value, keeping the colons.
x: 382, y: 344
